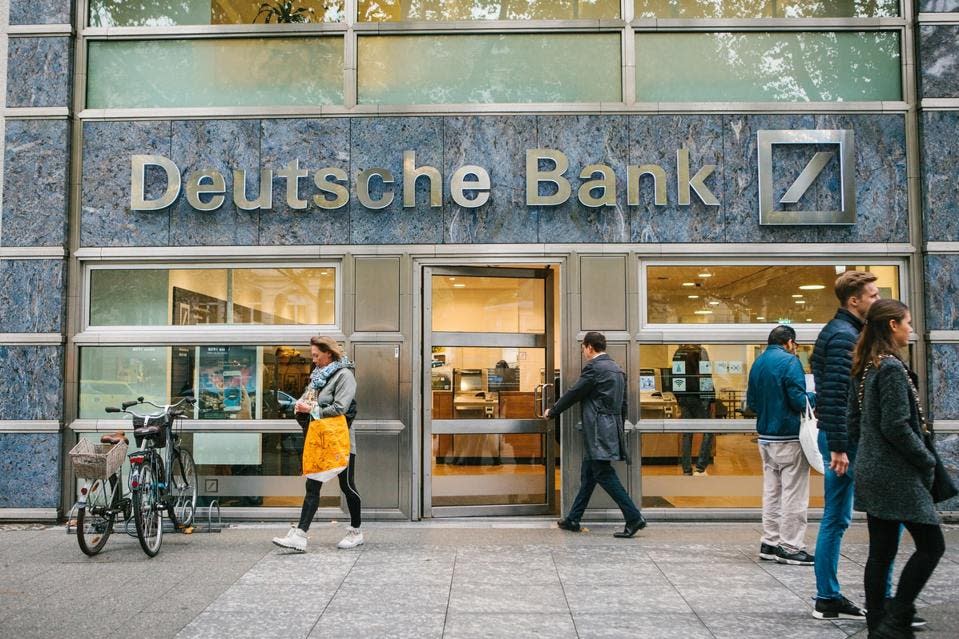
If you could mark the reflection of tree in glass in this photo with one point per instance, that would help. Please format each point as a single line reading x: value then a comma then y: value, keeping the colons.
x: 402, y: 10
x: 283, y: 12
x: 766, y: 8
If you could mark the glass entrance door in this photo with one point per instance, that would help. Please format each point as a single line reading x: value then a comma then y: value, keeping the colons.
x: 488, y: 377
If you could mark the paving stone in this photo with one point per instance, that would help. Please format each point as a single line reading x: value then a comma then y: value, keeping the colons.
x: 353, y: 623
x: 388, y: 598
x: 463, y: 625
x: 265, y: 624
x: 659, y: 625
x: 305, y: 598
x: 507, y: 598
x: 644, y: 598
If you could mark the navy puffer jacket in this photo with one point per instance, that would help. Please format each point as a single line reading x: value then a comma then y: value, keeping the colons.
x: 831, y: 364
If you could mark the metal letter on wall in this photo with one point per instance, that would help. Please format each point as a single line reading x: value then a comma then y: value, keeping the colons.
x: 138, y: 164
x: 844, y: 139
x: 534, y: 176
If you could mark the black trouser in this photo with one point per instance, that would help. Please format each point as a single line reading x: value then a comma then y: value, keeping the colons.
x: 347, y: 486
x: 883, y: 545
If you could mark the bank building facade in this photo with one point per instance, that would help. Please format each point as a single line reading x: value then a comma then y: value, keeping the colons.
x: 457, y: 191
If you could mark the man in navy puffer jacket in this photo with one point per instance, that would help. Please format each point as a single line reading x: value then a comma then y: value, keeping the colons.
x: 831, y: 365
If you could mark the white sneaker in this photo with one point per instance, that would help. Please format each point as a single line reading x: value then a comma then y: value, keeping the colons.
x: 354, y: 538
x: 295, y: 540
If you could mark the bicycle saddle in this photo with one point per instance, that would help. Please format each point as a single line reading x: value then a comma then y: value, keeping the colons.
x: 114, y: 438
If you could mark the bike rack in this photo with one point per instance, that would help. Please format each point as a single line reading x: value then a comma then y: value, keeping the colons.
x: 206, y: 519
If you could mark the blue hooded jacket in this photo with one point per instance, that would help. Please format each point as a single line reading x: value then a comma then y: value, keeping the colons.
x: 777, y: 393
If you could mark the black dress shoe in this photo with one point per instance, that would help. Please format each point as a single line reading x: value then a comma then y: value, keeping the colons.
x: 631, y: 528
x: 571, y: 526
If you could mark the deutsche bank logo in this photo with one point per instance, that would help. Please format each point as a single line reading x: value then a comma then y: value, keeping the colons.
x: 771, y: 211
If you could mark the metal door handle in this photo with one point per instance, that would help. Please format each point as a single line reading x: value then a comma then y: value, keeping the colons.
x: 538, y: 401
x: 546, y: 398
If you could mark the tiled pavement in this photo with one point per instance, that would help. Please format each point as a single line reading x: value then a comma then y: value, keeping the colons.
x: 453, y: 579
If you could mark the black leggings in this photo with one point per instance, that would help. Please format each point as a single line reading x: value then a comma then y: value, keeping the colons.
x: 347, y: 486
x: 883, y: 545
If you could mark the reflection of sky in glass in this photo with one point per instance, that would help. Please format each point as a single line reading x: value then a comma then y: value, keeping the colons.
x: 441, y: 69
x: 168, y: 13
x: 766, y: 8
x: 437, y: 10
x: 768, y: 67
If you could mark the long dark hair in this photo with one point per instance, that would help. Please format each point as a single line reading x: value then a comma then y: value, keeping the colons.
x: 876, y: 338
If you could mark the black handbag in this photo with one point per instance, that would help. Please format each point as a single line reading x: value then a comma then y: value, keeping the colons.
x: 943, y: 487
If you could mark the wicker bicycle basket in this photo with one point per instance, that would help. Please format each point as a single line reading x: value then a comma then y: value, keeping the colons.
x: 97, y: 461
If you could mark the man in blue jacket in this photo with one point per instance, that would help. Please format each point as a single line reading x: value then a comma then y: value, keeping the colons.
x: 777, y: 394
x: 831, y: 365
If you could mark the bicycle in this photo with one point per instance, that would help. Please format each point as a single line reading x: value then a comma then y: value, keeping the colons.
x: 102, y: 497
x: 155, y: 492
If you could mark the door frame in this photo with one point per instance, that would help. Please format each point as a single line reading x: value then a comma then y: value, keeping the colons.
x: 421, y: 476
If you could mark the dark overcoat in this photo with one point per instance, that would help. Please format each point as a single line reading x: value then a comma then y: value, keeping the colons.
x: 894, y: 469
x: 601, y: 389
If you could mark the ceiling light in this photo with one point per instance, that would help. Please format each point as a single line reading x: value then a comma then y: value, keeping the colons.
x: 714, y: 303
x: 812, y: 287
x: 705, y: 273
x: 798, y: 295
x: 797, y: 301
x: 760, y: 318
x: 452, y: 279
x: 808, y: 320
x: 689, y: 283
x: 459, y: 285
x: 703, y: 311
x: 840, y: 270
x: 693, y: 297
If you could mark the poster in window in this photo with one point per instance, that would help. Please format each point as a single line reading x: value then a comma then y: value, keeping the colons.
x: 227, y: 377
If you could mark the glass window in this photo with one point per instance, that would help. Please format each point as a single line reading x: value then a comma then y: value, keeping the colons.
x: 768, y: 67
x: 399, y: 11
x: 488, y: 304
x: 762, y: 294
x: 188, y: 297
x: 169, y: 13
x: 485, y: 383
x: 726, y: 471
x: 228, y: 382
x: 459, y: 69
x: 699, y: 381
x: 485, y: 470
x: 215, y: 72
x: 686, y: 9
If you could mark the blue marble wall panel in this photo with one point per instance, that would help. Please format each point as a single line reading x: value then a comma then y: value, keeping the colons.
x: 40, y: 12
x: 380, y: 142
x: 38, y: 72
x: 655, y: 140
x: 35, y: 183
x: 938, y: 6
x: 585, y: 139
x: 943, y: 362
x: 221, y: 145
x: 940, y: 175
x: 29, y: 470
x: 741, y: 181
x: 318, y: 143
x: 939, y: 61
x: 31, y: 382
x: 942, y: 292
x: 948, y: 446
x: 498, y: 144
x: 881, y: 201
x: 106, y: 218
x: 31, y: 296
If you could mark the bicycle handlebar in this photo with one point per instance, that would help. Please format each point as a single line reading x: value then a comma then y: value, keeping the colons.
x: 174, y: 410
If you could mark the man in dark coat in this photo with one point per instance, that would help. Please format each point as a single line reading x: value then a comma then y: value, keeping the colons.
x: 601, y: 389
x: 831, y: 364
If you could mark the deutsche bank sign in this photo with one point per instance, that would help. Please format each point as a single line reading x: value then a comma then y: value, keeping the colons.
x: 771, y: 212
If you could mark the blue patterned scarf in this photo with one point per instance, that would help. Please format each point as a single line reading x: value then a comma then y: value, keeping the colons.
x: 320, y: 376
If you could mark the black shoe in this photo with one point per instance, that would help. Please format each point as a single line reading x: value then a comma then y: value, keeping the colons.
x: 767, y: 552
x: 571, y: 526
x: 840, y: 608
x: 798, y: 558
x: 631, y: 529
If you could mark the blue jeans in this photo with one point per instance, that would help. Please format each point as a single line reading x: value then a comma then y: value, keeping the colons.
x: 836, y: 515
x: 601, y: 472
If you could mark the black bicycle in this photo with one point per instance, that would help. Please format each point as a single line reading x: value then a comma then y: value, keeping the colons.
x: 101, y: 496
x: 163, y: 478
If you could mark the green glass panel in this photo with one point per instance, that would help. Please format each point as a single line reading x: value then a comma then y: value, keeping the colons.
x: 110, y: 375
x: 439, y: 10
x: 768, y: 67
x: 765, y: 9
x: 458, y: 69
x: 168, y: 13
x: 215, y: 72
x: 129, y: 297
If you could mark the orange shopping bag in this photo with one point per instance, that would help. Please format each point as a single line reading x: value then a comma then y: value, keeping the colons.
x: 326, y: 450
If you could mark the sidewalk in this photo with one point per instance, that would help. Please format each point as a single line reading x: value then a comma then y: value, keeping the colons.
x: 436, y: 579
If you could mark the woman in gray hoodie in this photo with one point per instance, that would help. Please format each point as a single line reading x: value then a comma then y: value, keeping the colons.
x: 894, y: 469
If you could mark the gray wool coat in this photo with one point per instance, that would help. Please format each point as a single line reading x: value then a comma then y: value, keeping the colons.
x: 893, y: 469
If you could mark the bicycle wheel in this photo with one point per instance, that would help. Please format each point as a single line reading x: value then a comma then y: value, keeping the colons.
x: 147, y: 512
x: 184, y: 488
x: 95, y: 517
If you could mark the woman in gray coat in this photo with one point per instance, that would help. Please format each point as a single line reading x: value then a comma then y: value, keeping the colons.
x: 894, y: 469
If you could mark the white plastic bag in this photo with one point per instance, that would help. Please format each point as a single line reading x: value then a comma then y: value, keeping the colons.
x: 809, y: 439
